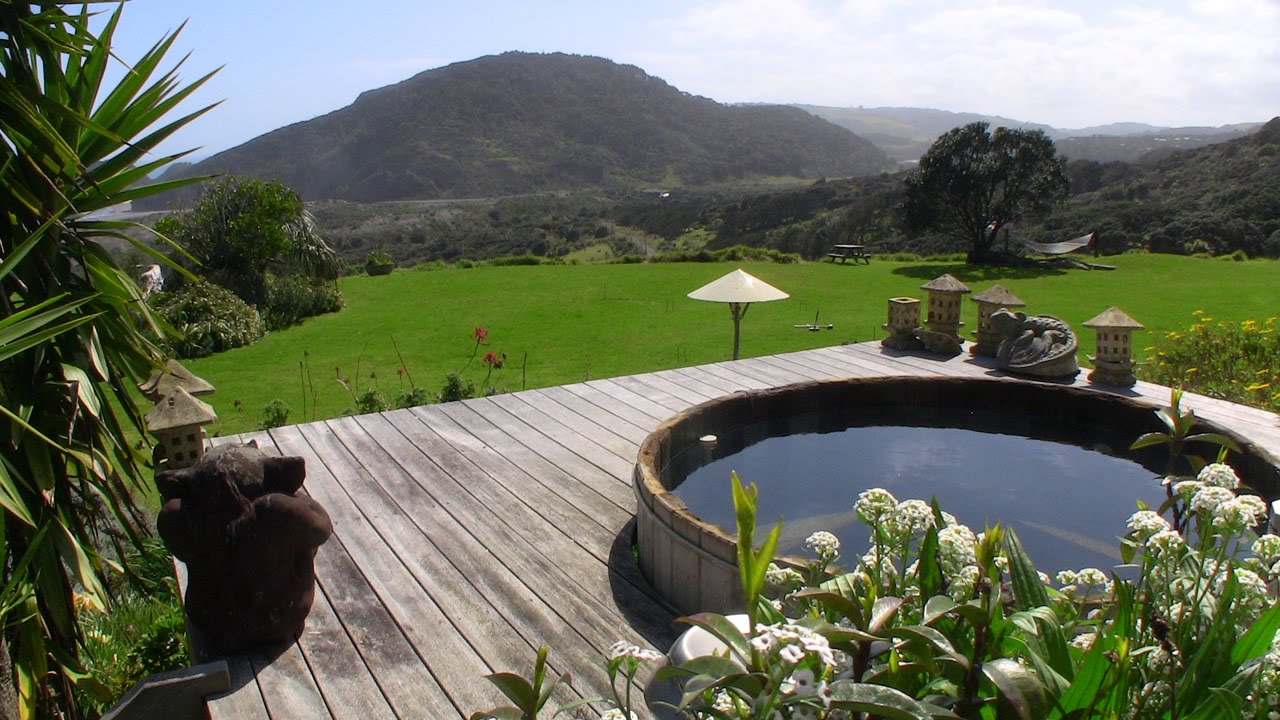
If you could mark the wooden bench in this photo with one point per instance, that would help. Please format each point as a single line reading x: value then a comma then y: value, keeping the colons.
x: 850, y: 252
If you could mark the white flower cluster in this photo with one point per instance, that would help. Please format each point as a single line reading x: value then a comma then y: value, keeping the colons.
x: 1219, y: 475
x: 616, y: 714
x: 782, y: 579
x: 622, y: 649
x: 825, y: 545
x: 1239, y: 514
x: 874, y: 504
x: 792, y: 643
x: 1083, y: 583
x: 1146, y: 524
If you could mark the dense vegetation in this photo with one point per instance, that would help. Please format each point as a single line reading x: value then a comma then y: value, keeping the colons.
x: 74, y: 341
x: 1214, y: 200
x: 521, y: 122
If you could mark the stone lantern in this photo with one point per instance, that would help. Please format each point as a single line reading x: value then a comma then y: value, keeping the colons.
x: 989, y: 301
x: 944, y: 305
x: 177, y: 422
x: 904, y: 318
x: 174, y: 375
x: 1114, y: 363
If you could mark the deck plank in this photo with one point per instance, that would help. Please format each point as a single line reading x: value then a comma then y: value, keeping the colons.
x: 413, y: 600
x: 391, y: 659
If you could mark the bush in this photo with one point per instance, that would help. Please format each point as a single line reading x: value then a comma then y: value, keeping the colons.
x: 144, y: 632
x: 1239, y: 362
x: 210, y: 318
x: 274, y: 414
x: 292, y: 298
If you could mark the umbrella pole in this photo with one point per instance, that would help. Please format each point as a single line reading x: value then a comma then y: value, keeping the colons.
x: 738, y: 310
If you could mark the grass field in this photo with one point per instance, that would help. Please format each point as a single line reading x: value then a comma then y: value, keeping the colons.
x: 563, y: 324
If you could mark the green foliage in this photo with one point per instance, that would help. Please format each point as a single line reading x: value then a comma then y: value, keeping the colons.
x: 292, y: 298
x: 71, y: 348
x: 972, y: 183
x: 238, y: 231
x: 379, y: 262
x: 413, y: 398
x: 274, y: 414
x: 209, y: 319
x: 937, y: 621
x: 456, y: 388
x: 144, y: 632
x: 1236, y: 361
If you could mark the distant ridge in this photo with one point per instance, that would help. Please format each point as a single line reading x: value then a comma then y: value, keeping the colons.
x: 905, y: 133
x: 522, y: 122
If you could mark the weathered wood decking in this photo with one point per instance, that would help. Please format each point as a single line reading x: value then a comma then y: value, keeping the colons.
x: 468, y: 534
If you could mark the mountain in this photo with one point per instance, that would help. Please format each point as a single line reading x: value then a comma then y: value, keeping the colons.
x: 906, y: 133
x: 521, y: 122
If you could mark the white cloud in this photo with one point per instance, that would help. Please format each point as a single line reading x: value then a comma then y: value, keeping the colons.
x: 1064, y: 63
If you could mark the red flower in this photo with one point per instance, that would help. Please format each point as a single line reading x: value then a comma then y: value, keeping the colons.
x: 481, y: 334
x: 494, y: 360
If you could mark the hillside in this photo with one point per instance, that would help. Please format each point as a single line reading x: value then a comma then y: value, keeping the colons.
x: 520, y: 122
x: 1215, y: 199
x: 905, y: 133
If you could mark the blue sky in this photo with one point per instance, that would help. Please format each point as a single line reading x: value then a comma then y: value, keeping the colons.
x: 1067, y: 64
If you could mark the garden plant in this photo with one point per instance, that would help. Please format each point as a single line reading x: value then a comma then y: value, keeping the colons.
x: 75, y: 335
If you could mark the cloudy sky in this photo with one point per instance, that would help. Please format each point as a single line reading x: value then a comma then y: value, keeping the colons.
x: 1068, y: 64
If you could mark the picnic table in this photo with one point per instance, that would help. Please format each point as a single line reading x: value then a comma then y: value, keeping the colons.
x: 847, y: 252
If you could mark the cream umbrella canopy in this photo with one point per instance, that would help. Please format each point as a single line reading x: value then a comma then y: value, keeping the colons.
x: 739, y: 289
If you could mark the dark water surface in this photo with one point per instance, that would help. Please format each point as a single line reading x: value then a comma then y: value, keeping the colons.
x: 1068, y: 503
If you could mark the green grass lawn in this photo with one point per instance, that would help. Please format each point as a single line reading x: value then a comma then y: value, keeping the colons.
x: 563, y: 324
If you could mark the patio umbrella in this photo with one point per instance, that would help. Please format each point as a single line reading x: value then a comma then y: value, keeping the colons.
x: 739, y: 289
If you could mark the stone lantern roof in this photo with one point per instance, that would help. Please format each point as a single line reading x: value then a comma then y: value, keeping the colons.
x: 179, y: 409
x: 947, y: 284
x: 998, y: 295
x: 174, y: 375
x: 1113, y: 318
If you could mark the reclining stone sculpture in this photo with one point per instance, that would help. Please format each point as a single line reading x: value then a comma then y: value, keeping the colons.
x: 1038, y: 345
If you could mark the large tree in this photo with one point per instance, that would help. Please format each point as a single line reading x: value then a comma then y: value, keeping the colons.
x: 239, y: 230
x: 72, y: 321
x: 972, y: 183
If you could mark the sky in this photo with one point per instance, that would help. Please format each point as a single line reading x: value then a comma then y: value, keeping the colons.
x: 1068, y: 64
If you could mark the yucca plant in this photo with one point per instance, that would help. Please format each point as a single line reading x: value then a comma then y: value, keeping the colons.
x: 72, y: 329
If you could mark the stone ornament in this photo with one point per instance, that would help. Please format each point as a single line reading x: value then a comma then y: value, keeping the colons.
x: 1114, y: 363
x: 249, y: 542
x: 994, y: 298
x: 1038, y: 345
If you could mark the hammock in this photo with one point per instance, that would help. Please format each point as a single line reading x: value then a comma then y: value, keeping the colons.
x: 1059, y: 248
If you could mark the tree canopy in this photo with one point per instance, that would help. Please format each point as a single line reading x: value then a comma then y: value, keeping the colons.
x: 972, y: 183
x: 239, y: 230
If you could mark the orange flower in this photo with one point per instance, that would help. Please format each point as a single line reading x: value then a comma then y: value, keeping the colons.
x: 494, y: 360
x: 481, y: 334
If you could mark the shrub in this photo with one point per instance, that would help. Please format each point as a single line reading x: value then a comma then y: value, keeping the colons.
x: 378, y: 262
x: 210, y: 318
x: 1239, y: 362
x: 292, y: 298
x: 274, y: 414
x: 144, y: 632
x: 456, y: 388
x: 413, y: 398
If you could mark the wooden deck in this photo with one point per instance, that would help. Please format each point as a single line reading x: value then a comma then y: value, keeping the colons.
x: 468, y: 534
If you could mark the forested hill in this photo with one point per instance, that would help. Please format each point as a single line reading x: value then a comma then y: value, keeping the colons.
x: 521, y: 122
